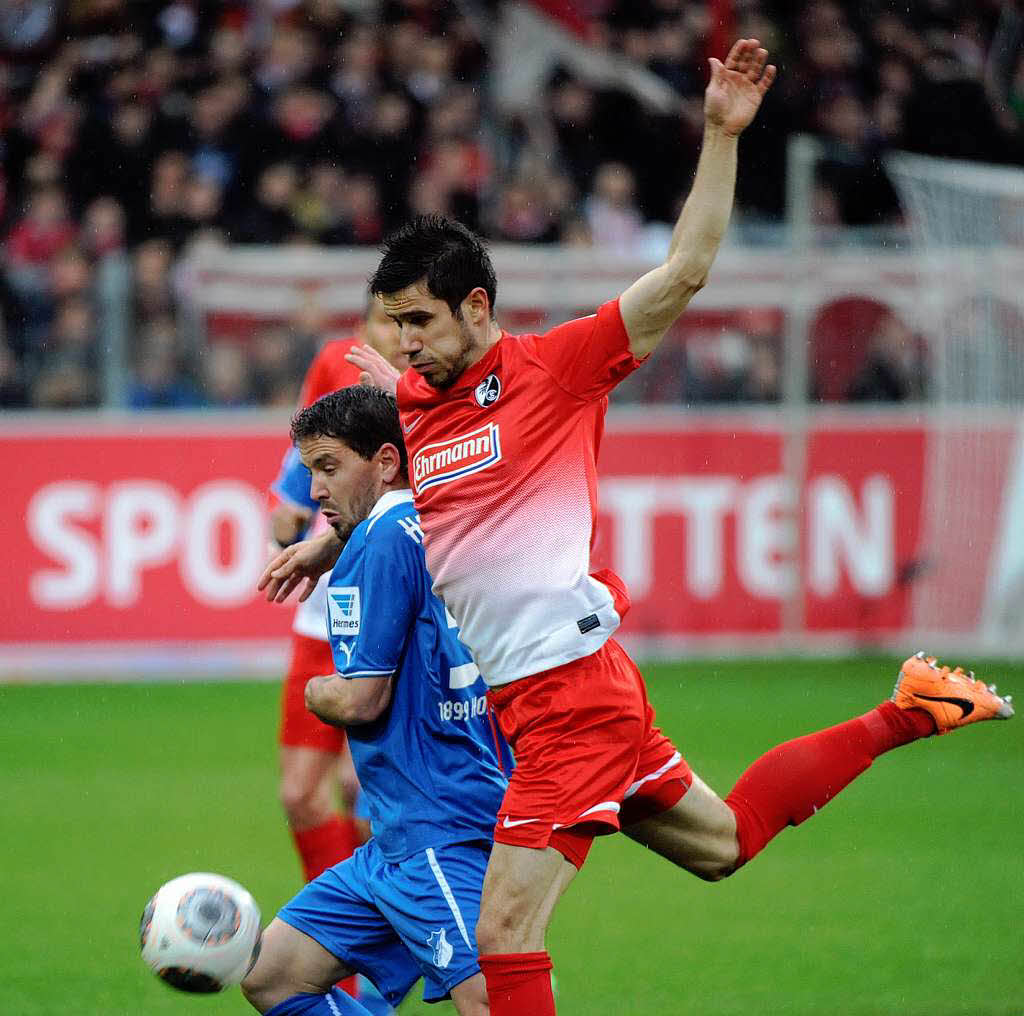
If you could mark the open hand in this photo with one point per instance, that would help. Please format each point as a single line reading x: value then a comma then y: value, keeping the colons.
x: 375, y: 369
x: 734, y: 94
x: 300, y: 565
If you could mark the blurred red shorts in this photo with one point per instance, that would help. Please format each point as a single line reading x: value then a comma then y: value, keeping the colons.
x: 299, y: 727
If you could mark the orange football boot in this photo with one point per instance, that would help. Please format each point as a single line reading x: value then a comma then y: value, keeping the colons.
x: 952, y: 697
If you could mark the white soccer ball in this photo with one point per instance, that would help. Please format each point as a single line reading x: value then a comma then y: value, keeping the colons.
x: 200, y: 932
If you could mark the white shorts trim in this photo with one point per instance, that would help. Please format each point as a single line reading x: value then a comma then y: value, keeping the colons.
x: 449, y: 896
x: 611, y: 806
x: 674, y: 760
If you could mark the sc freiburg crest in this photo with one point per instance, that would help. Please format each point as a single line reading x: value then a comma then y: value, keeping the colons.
x: 488, y: 390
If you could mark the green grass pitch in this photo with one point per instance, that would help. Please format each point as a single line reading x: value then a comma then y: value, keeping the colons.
x: 904, y: 896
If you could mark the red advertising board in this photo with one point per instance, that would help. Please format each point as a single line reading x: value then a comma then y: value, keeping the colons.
x: 136, y: 534
x: 151, y: 532
x: 712, y: 539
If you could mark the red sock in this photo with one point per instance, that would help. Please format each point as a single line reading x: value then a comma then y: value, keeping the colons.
x: 325, y: 845
x: 788, y: 784
x: 518, y: 984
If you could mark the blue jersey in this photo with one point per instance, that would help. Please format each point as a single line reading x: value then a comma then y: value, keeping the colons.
x: 292, y: 482
x: 432, y: 766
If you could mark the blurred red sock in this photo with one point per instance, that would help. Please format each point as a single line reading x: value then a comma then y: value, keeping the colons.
x: 325, y: 845
x: 788, y: 784
x: 321, y: 848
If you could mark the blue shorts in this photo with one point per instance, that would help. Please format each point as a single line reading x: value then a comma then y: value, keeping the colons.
x: 398, y: 922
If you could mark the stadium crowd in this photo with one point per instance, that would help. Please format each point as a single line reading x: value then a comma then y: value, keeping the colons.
x: 141, y: 128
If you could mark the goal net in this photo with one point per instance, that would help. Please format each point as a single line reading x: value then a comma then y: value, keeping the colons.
x: 966, y: 222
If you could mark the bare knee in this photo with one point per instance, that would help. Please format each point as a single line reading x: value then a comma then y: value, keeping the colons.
x: 497, y: 931
x: 262, y: 992
x: 521, y: 888
x: 307, y: 802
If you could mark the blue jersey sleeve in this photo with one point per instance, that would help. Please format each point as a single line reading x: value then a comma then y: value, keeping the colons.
x: 373, y: 606
x: 292, y: 483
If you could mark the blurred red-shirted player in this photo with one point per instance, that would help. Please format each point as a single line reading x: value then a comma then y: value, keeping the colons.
x: 314, y: 758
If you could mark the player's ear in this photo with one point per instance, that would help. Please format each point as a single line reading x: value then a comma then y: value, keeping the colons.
x: 390, y: 463
x: 476, y: 308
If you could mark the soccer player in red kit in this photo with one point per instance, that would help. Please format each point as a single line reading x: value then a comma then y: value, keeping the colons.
x: 502, y: 433
x: 312, y: 752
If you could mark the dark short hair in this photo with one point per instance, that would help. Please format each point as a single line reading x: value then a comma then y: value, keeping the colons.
x: 364, y: 418
x: 453, y: 260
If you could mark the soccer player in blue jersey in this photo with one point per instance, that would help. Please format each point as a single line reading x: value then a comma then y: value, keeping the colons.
x: 432, y: 769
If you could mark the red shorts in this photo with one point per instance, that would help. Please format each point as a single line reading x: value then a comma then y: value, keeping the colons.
x: 589, y: 759
x: 299, y: 727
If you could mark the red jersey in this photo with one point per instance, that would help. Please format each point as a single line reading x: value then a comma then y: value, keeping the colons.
x: 328, y: 372
x: 503, y: 467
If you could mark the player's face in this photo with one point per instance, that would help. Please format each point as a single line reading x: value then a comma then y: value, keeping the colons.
x: 383, y: 334
x: 440, y: 345
x: 345, y: 485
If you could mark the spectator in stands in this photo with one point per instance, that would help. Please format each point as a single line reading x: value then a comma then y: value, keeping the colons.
x: 166, y: 217
x: 65, y: 383
x: 366, y: 217
x: 572, y: 107
x: 160, y: 379
x: 227, y: 381
x: 354, y: 77
x: 216, y: 147
x: 762, y: 378
x: 279, y: 355
x: 43, y: 231
x: 893, y: 370
x: 615, y: 222
x: 103, y: 228
x: 73, y: 332
x: 524, y: 214
x: 851, y: 166
x: 289, y: 59
x: 270, y: 219
x: 71, y: 275
x: 321, y: 208
x: 13, y: 390
x: 389, y: 151
x: 204, y: 203
x: 300, y: 128
x: 123, y: 123
x: 27, y: 26
x: 151, y: 282
x: 118, y: 151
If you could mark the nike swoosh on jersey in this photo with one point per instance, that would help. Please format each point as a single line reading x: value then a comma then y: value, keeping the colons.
x: 966, y: 705
x: 408, y: 428
x: 509, y: 823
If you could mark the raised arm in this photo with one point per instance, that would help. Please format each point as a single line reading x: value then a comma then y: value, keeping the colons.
x: 652, y: 304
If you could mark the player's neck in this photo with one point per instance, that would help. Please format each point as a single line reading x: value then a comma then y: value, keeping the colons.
x: 487, y: 342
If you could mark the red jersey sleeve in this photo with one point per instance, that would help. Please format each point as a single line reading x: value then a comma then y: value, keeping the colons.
x: 589, y: 356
